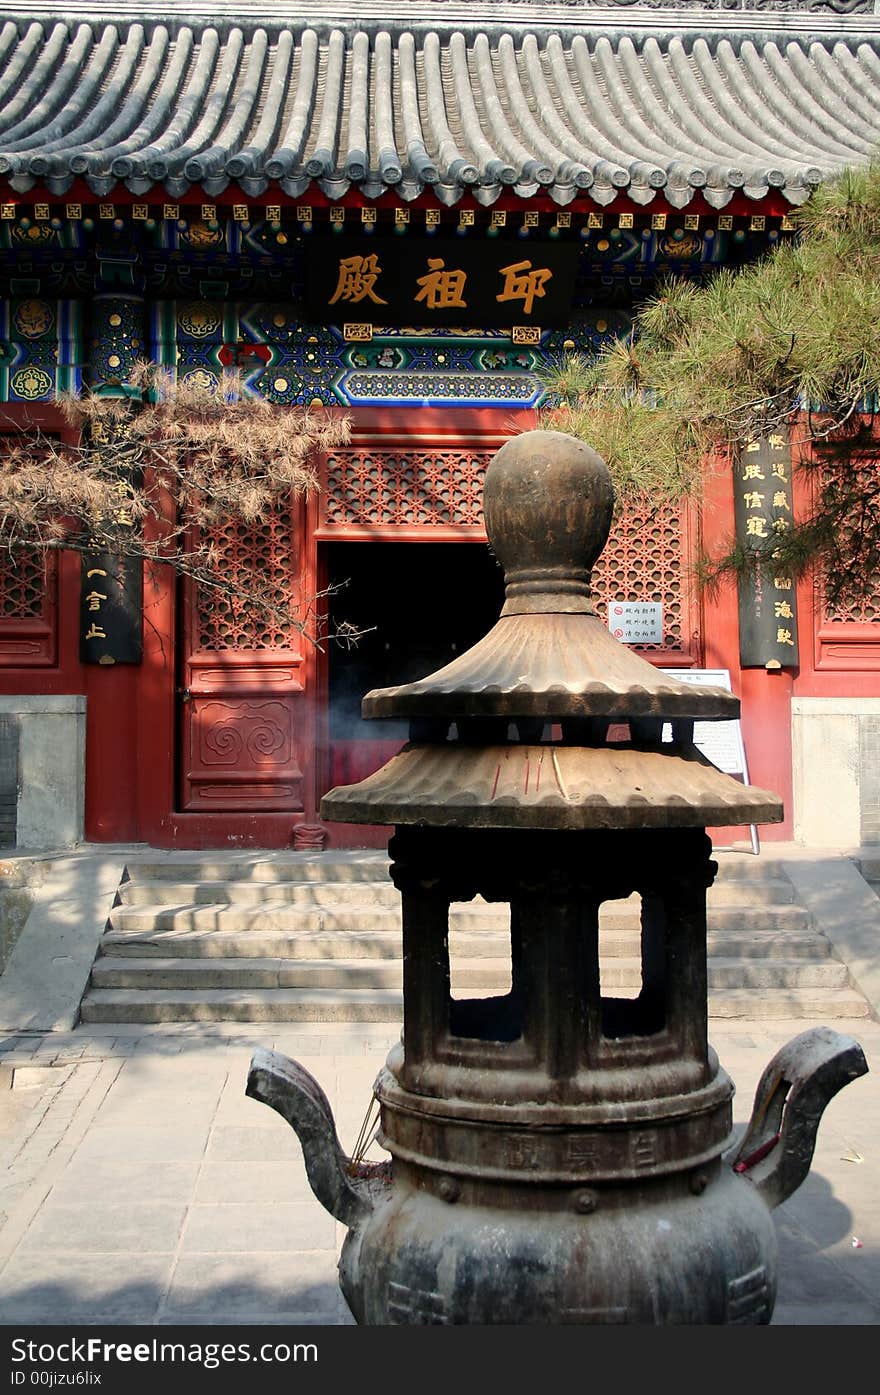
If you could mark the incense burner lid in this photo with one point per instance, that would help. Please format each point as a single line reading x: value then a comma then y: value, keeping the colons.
x: 548, y: 503
x: 551, y: 786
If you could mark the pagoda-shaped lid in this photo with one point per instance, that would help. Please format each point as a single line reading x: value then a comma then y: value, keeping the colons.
x: 548, y: 502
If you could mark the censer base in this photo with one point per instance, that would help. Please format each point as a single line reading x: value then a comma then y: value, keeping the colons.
x: 654, y: 1255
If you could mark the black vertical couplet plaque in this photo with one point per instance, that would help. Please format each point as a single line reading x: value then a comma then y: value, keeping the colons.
x: 768, y: 636
x: 111, y: 609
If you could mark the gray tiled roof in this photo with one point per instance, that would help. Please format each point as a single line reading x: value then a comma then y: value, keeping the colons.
x: 648, y: 102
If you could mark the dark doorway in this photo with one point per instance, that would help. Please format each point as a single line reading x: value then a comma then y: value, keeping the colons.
x: 421, y: 604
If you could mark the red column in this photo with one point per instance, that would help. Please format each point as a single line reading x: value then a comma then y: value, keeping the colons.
x: 156, y: 701
x: 765, y: 694
x: 111, y: 743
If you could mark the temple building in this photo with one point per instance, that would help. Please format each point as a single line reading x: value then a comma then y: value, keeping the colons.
x: 404, y: 220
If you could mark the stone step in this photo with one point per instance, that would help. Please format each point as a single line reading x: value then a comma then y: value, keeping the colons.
x: 338, y: 974
x: 361, y: 865
x: 231, y: 1005
x: 815, y: 1003
x: 386, y: 944
x: 295, y: 893
x: 386, y: 1005
x: 621, y: 974
x: 272, y: 915
x: 347, y: 866
x: 334, y: 893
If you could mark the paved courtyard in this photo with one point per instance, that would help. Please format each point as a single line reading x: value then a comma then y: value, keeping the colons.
x: 143, y: 1186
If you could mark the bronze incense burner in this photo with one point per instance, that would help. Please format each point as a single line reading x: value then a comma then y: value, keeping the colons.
x: 558, y: 1155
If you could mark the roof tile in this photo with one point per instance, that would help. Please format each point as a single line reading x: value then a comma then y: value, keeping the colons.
x: 372, y: 108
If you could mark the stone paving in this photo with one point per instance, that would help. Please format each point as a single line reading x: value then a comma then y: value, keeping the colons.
x: 143, y: 1186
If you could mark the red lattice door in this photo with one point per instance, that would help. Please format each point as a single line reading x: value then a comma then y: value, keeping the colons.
x: 847, y: 636
x: 28, y: 599
x: 27, y: 609
x: 244, y: 736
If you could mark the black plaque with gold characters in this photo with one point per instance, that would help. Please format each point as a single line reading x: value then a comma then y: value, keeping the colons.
x: 111, y: 609
x: 768, y: 636
x: 395, y: 281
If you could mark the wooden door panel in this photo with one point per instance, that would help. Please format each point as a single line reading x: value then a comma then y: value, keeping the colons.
x: 245, y: 728
x: 240, y: 741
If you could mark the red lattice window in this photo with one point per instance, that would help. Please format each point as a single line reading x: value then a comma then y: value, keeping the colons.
x: 863, y: 606
x: 405, y: 488
x: 22, y: 585
x: 28, y: 581
x: 847, y: 635
x: 257, y: 557
x: 27, y: 609
x: 864, y: 611
x: 646, y: 559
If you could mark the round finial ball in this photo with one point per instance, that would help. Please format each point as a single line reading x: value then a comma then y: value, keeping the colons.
x: 548, y: 501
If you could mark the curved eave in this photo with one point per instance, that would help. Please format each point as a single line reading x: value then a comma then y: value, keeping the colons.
x: 551, y: 787
x: 512, y: 103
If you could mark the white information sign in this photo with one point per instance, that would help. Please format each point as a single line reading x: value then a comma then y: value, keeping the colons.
x: 719, y: 742
x: 636, y: 622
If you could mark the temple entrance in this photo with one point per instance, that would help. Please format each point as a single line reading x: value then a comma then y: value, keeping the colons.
x: 420, y: 604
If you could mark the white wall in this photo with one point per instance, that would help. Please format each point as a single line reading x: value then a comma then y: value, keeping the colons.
x: 836, y: 771
x: 52, y: 769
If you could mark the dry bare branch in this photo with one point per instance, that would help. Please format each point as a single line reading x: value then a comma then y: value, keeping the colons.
x: 152, y: 477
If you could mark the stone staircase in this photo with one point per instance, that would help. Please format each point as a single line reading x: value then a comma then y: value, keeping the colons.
x: 315, y: 937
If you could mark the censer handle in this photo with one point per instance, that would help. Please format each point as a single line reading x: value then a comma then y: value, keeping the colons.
x: 804, y: 1075
x: 293, y: 1093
